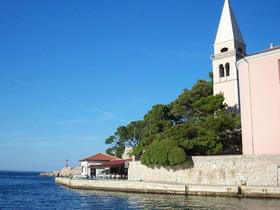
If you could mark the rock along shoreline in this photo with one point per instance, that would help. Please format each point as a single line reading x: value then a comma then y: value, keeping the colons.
x: 171, y: 188
x: 64, y: 172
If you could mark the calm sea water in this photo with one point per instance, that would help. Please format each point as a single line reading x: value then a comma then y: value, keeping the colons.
x: 26, y: 190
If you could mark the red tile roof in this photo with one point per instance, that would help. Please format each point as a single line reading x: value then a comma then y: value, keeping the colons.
x: 100, y: 157
x: 111, y: 163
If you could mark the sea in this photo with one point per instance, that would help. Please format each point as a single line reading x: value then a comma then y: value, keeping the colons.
x: 27, y: 190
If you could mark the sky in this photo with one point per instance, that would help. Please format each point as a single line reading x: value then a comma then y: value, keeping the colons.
x: 73, y: 71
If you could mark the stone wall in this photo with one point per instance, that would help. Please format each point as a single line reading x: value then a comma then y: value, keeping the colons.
x: 260, y: 170
x: 122, y: 185
x: 171, y: 188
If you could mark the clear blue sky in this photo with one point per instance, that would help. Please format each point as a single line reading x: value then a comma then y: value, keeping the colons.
x: 72, y: 71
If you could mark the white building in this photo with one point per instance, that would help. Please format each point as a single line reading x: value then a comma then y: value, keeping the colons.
x: 87, y: 164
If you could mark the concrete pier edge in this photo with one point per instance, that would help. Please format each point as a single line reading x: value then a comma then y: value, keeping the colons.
x: 172, y: 188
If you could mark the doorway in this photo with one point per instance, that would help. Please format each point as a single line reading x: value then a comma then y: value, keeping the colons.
x: 93, y: 172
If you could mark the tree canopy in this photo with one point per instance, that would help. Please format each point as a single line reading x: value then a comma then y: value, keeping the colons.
x: 195, y: 123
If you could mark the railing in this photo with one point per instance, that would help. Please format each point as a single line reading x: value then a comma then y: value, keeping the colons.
x: 111, y: 176
x: 102, y: 177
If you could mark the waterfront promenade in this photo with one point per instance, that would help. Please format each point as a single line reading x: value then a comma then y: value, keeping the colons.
x: 171, y: 188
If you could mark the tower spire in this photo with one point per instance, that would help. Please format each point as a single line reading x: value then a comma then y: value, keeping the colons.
x: 229, y: 47
x: 228, y: 28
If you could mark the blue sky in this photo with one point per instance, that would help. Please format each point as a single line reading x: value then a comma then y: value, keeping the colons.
x: 72, y: 71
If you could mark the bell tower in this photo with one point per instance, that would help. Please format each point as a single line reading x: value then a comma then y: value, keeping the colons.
x: 229, y: 47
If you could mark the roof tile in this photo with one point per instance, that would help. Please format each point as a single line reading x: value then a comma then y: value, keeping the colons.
x: 100, y: 157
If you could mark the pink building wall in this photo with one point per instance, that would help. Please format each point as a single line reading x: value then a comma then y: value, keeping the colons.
x: 259, y: 83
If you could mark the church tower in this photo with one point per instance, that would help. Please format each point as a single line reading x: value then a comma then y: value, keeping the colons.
x: 229, y: 47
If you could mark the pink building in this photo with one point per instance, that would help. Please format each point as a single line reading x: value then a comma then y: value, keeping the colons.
x: 250, y: 84
x: 259, y: 84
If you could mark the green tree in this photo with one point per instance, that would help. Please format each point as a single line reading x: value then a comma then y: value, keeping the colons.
x: 196, y: 123
x: 117, y: 142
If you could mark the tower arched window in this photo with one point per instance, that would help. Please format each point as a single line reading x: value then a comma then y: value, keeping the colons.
x: 222, y: 70
x: 227, y: 69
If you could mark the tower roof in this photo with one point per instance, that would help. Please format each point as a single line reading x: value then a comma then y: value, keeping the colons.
x: 228, y: 27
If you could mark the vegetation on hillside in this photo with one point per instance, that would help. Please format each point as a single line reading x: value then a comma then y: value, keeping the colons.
x: 196, y: 123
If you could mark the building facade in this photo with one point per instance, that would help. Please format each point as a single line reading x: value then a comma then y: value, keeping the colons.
x: 89, y: 165
x: 259, y: 81
x: 250, y: 85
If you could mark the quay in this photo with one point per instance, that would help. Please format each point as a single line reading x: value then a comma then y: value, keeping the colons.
x: 171, y: 188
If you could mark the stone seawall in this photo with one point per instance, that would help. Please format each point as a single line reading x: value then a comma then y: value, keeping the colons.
x: 122, y: 186
x: 259, y: 170
x: 171, y: 188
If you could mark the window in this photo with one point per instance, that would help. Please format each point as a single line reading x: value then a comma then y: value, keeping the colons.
x: 222, y: 70
x: 225, y: 49
x: 227, y: 69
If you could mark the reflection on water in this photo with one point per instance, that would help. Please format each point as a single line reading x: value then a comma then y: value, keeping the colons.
x: 21, y: 190
x: 118, y: 200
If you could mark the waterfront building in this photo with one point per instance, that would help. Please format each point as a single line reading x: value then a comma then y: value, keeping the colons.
x: 250, y: 85
x: 259, y: 79
x: 104, y: 166
x: 89, y: 165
